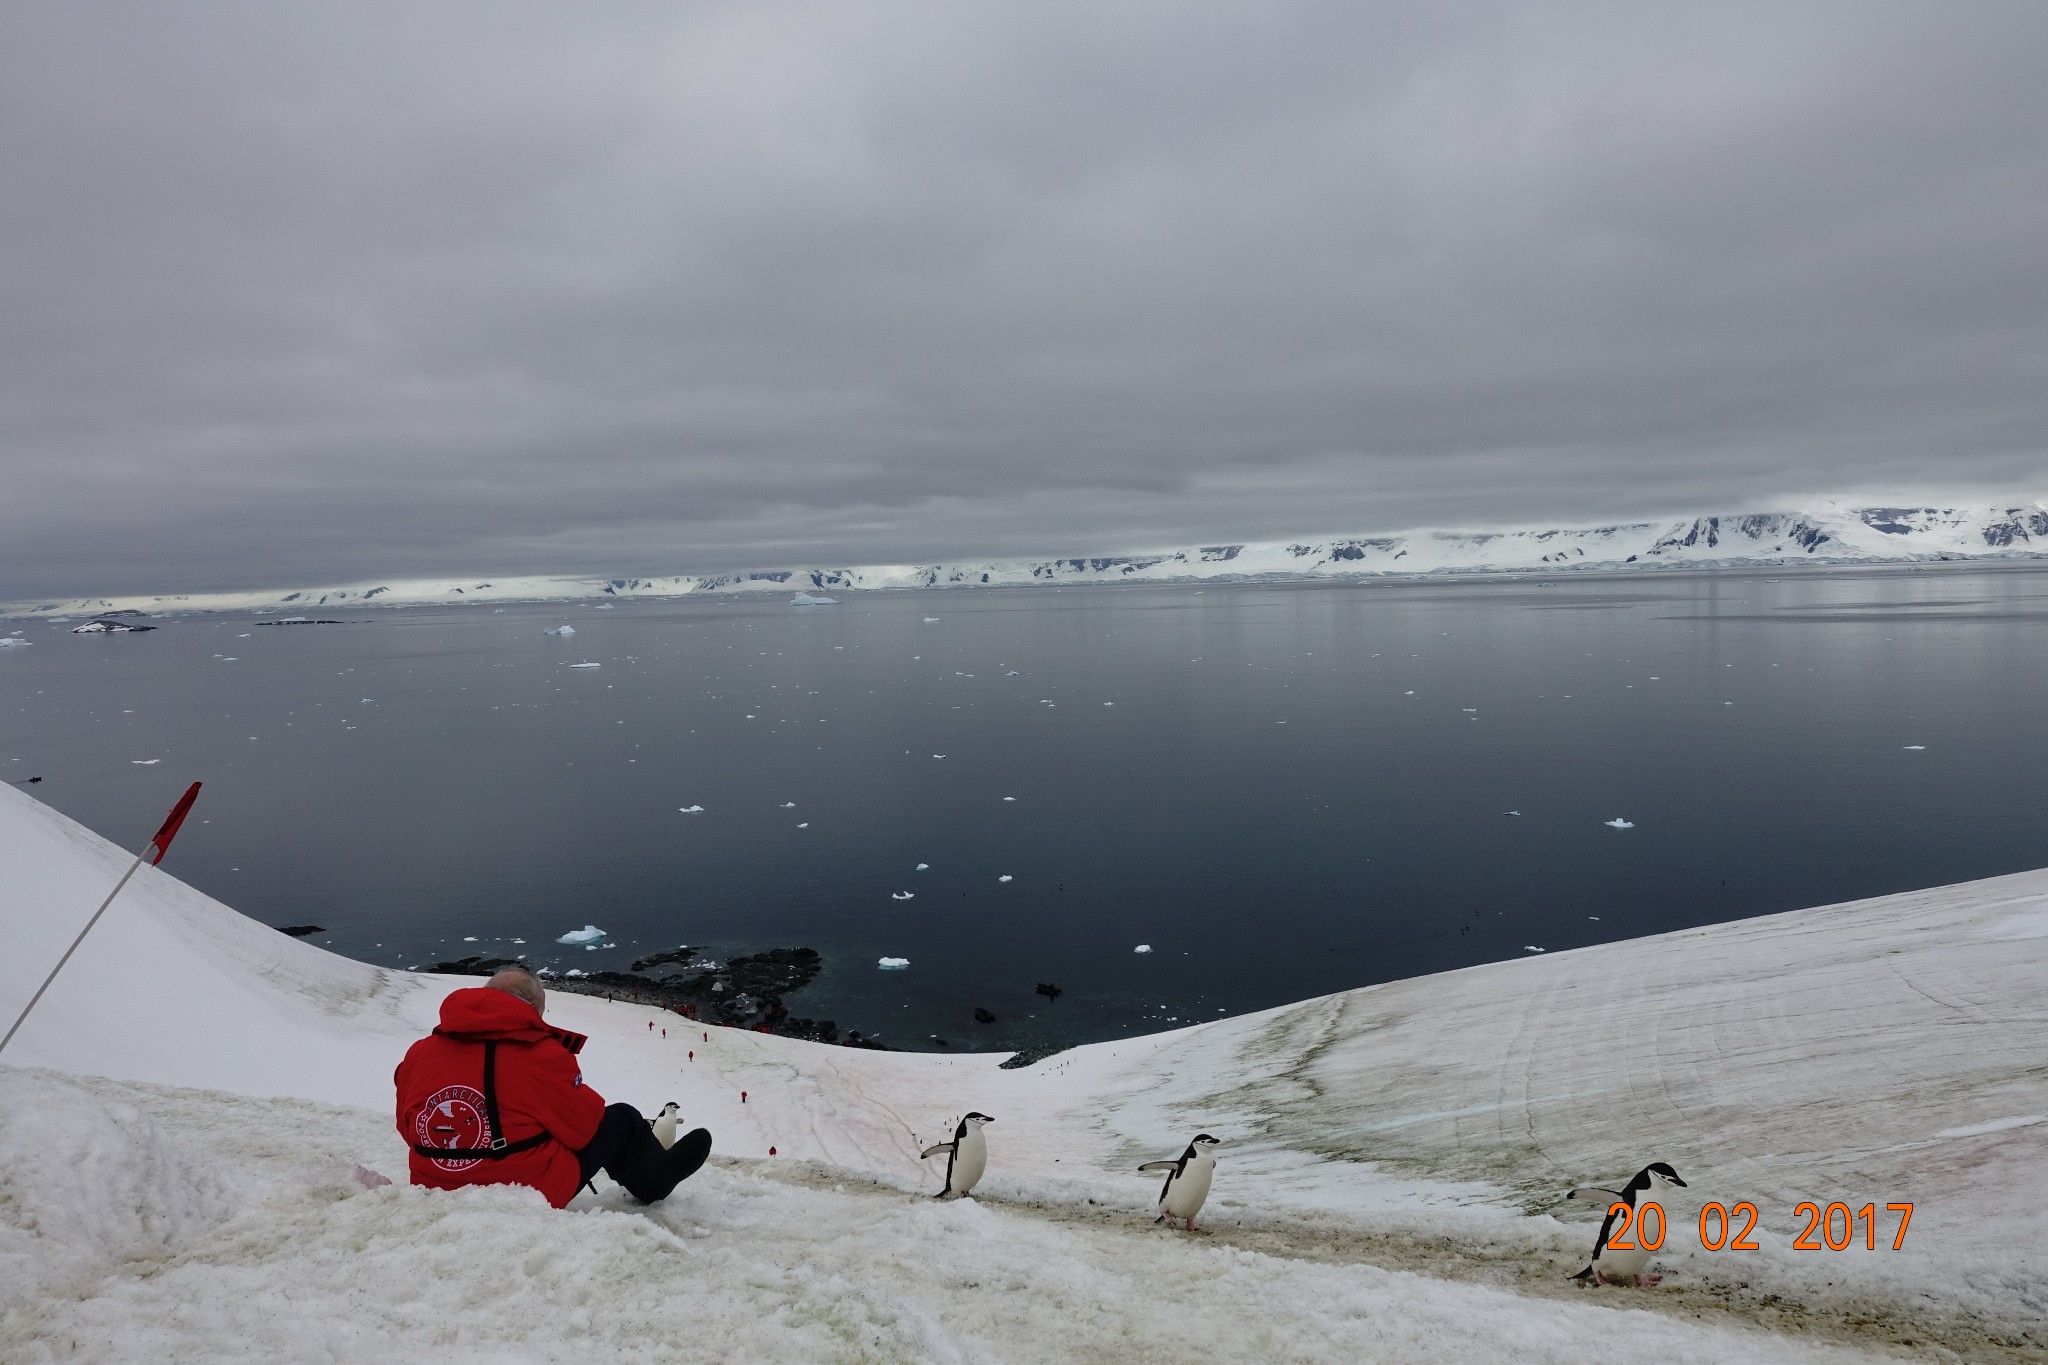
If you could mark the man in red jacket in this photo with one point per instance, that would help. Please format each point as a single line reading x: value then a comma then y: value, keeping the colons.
x: 494, y: 1097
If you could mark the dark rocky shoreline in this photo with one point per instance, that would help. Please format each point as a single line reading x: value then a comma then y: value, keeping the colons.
x: 744, y: 992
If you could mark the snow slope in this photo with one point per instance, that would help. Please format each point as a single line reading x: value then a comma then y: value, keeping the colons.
x: 1833, y: 533
x: 182, y: 1120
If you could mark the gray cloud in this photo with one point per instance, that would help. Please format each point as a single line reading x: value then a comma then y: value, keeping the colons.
x: 306, y: 293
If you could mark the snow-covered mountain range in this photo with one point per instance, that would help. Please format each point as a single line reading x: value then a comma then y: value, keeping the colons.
x: 1836, y: 533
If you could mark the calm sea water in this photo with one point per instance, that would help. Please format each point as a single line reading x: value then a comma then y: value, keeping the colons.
x: 1283, y: 790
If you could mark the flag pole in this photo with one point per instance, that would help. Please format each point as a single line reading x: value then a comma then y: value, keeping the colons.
x: 162, y: 844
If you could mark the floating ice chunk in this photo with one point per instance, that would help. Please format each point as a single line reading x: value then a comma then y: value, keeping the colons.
x: 1005, y: 877
x: 1009, y: 798
x: 804, y: 599
x: 145, y: 762
x: 892, y: 964
x: 749, y: 717
x: 902, y: 895
x: 938, y: 755
x: 804, y: 825
x: 1916, y: 746
x: 1511, y: 812
x: 789, y: 805
x: 369, y: 701
x: 922, y: 866
x: 691, y: 810
x: 1013, y: 673
x: 1618, y: 823
x: 469, y: 938
x: 1142, y: 948
x: 1469, y: 710
x: 1531, y: 948
x: 1408, y: 693
x: 586, y: 664
x: 589, y: 933
x: 1109, y: 703
x: 575, y: 971
x: 518, y: 940
x: 12, y: 640
x: 929, y: 619
x: 558, y: 630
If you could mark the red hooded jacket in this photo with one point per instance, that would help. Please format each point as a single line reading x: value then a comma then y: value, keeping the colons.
x: 540, y: 1090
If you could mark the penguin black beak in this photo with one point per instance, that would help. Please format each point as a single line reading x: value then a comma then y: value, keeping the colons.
x: 1676, y: 1181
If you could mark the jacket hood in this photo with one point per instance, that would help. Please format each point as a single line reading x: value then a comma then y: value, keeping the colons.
x: 482, y: 1013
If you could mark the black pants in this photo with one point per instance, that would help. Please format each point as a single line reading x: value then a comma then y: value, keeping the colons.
x: 627, y: 1150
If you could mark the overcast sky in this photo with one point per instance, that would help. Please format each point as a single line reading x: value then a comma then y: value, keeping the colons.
x: 297, y: 293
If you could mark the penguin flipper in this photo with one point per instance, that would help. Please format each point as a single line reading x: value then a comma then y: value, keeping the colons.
x: 933, y: 1151
x: 1585, y: 1274
x: 1594, y: 1192
x: 1158, y: 1166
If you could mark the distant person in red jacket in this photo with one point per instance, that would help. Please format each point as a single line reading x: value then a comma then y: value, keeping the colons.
x: 494, y: 1097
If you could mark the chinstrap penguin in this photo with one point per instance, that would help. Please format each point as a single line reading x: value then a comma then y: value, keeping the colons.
x: 1187, y: 1181
x: 966, y: 1156
x: 1624, y: 1266
x: 664, y: 1124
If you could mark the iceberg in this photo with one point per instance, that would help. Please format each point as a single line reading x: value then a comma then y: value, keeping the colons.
x: 586, y: 665
x: 922, y: 866
x: 9, y: 640
x: 901, y: 895
x: 691, y: 810
x: 1005, y: 877
x: 1618, y: 823
x: 558, y: 630
x: 804, y: 599
x: 107, y: 628
x: 589, y: 933
x: 892, y: 964
x: 1142, y: 948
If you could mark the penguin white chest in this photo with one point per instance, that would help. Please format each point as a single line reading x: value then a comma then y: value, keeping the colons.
x: 1185, y: 1196
x: 970, y: 1161
x: 665, y: 1130
x: 1626, y: 1262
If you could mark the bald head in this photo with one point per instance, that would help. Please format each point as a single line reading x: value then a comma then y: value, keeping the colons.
x: 522, y: 983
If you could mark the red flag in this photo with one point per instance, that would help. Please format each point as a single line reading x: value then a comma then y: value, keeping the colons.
x: 171, y: 823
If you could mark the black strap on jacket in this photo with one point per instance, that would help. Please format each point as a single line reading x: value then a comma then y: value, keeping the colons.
x: 499, y: 1147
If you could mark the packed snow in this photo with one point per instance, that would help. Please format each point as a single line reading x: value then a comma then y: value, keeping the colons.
x: 194, y: 1128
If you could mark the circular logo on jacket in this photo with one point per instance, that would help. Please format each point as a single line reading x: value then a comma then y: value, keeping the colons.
x: 453, y: 1118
